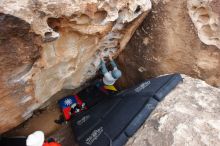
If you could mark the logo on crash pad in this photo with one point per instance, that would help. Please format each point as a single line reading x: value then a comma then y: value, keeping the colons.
x: 142, y: 86
x: 83, y: 120
x: 94, y: 136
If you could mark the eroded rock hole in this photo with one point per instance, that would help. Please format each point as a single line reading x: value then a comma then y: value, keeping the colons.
x: 99, y: 16
x: 206, y: 29
x: 204, y: 18
x: 48, y: 34
x: 202, y: 11
x: 137, y: 9
x: 194, y: 8
x: 54, y: 23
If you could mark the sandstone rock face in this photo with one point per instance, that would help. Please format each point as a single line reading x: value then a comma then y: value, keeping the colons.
x: 47, y: 46
x: 188, y: 116
x: 167, y: 42
x: 205, y: 16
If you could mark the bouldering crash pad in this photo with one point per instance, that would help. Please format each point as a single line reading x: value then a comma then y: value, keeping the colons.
x: 115, y: 118
x: 16, y: 141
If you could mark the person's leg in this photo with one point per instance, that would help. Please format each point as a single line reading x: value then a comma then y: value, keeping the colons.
x: 113, y: 64
x: 104, y: 70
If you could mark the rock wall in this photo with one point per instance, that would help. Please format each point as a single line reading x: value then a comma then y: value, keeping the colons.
x: 188, y: 116
x: 205, y: 16
x: 47, y: 46
x: 169, y: 41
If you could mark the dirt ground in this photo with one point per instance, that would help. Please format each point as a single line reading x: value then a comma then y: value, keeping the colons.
x: 65, y: 136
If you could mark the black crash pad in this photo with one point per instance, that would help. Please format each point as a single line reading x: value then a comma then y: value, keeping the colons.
x: 91, y: 95
x: 17, y: 141
x: 114, y: 119
x: 86, y: 121
x: 157, y: 87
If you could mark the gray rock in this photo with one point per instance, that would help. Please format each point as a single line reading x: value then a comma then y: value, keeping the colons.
x: 188, y: 116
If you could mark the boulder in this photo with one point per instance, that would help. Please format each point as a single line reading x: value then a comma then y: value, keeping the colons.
x: 189, y: 115
x: 205, y: 16
x: 47, y: 46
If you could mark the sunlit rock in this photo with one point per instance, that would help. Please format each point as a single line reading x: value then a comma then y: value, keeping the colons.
x: 47, y: 46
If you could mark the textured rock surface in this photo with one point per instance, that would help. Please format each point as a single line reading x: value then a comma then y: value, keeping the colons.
x: 188, y: 116
x: 205, y: 14
x: 166, y: 42
x: 47, y: 46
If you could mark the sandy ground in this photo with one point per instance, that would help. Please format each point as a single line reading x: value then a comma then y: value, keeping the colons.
x: 42, y: 120
x: 65, y: 136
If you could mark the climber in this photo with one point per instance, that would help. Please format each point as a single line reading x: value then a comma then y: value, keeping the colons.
x: 110, y: 77
x: 37, y: 139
